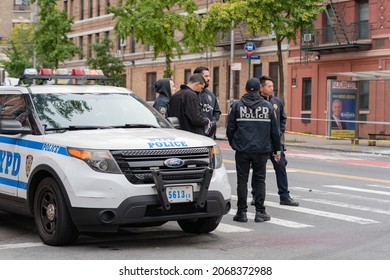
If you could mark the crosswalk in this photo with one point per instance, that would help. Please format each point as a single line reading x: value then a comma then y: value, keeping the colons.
x: 348, y: 204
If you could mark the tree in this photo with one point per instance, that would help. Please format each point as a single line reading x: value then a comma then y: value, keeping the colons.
x: 284, y: 17
x: 20, y: 53
x: 156, y: 23
x: 111, y: 66
x: 17, y: 61
x: 51, y: 43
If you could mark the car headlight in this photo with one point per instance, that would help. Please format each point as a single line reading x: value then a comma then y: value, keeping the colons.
x: 98, y: 160
x: 216, y: 157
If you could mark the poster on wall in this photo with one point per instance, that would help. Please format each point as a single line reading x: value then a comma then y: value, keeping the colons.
x: 342, y: 108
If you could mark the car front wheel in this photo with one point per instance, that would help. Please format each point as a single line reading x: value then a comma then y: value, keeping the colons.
x: 51, y: 215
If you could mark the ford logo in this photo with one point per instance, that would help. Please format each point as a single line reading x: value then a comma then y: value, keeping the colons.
x: 174, y: 162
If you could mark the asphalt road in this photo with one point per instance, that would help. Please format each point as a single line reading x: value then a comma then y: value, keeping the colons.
x: 344, y: 214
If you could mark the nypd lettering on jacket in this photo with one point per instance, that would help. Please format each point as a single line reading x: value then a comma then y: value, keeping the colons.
x: 258, y: 114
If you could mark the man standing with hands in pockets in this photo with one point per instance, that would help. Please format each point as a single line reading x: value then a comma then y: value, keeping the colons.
x: 253, y: 132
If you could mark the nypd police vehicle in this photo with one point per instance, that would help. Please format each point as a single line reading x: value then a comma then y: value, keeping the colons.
x: 82, y: 156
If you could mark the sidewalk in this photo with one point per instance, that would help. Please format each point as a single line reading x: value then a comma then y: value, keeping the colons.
x: 293, y: 139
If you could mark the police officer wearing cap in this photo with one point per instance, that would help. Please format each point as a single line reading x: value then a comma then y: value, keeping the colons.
x: 266, y: 91
x: 253, y: 133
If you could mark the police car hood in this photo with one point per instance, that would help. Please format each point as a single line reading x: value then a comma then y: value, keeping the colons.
x: 129, y: 138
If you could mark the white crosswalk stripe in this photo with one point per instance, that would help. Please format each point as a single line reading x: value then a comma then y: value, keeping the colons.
x: 357, y: 189
x: 348, y: 218
x: 275, y: 221
x: 343, y: 195
x: 326, y: 214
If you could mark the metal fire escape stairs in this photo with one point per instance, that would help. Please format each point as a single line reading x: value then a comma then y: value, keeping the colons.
x: 335, y: 24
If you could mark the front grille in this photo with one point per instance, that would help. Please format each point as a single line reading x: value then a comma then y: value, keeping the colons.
x: 137, y: 165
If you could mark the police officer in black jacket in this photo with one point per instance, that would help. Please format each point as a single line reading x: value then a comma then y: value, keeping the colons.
x: 208, y: 102
x: 266, y: 91
x: 253, y: 132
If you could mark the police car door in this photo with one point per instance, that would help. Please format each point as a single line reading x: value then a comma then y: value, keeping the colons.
x: 12, y: 107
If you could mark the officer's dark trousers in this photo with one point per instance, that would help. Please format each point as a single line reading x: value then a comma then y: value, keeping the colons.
x: 244, y: 162
x: 281, y: 176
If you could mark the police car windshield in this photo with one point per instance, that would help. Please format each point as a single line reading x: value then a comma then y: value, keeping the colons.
x: 59, y: 112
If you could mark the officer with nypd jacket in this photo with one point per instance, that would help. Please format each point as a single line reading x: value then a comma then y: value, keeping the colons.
x: 266, y: 91
x: 208, y: 102
x: 253, y: 133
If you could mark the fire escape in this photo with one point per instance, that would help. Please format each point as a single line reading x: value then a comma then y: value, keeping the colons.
x: 337, y: 35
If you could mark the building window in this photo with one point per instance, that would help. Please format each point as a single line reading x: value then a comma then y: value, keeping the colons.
x: 65, y: 6
x: 90, y: 9
x: 81, y: 45
x: 81, y: 9
x: 306, y: 94
x: 150, y: 81
x: 133, y: 42
x: 187, y: 75
x: 274, y: 74
x: 328, y: 32
x: 97, y: 38
x: 90, y: 46
x: 107, y: 35
x: 236, y: 84
x: 216, y: 81
x: 363, y: 19
x: 257, y: 70
x: 364, y: 90
x: 107, y: 6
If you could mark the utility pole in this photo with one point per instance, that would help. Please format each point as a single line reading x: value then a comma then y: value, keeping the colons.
x: 231, y: 93
x: 34, y: 20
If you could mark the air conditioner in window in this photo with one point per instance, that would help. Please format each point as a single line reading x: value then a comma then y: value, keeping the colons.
x: 308, y: 37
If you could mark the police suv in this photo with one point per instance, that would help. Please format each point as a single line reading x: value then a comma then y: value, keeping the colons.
x: 82, y: 156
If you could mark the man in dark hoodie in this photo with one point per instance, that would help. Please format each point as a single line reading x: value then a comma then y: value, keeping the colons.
x: 166, y: 88
x: 185, y: 105
x: 253, y: 132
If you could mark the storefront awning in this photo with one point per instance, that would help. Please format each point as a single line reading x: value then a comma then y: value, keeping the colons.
x: 365, y: 75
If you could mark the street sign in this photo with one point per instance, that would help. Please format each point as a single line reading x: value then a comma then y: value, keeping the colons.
x: 250, y: 48
x: 253, y: 57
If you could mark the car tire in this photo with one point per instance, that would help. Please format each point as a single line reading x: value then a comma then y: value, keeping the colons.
x: 54, y: 224
x: 200, y: 225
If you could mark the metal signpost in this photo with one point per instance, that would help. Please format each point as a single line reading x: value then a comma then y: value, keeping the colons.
x: 249, y: 48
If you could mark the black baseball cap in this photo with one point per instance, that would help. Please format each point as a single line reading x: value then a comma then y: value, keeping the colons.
x: 252, y: 84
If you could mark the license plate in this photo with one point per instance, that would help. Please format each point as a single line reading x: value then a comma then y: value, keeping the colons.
x: 179, y: 194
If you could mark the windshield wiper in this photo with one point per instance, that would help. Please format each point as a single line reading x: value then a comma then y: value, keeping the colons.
x: 78, y: 127
x: 136, y: 125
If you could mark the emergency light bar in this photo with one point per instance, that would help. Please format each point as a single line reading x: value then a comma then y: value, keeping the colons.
x: 63, y: 76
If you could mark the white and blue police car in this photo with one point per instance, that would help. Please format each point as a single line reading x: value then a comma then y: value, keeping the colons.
x: 82, y: 156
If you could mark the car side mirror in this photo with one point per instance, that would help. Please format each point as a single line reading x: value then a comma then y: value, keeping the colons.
x: 13, y: 127
x: 174, y: 122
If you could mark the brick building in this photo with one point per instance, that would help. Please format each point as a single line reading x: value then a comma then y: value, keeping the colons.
x: 11, y: 13
x: 92, y: 22
x: 350, y: 41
